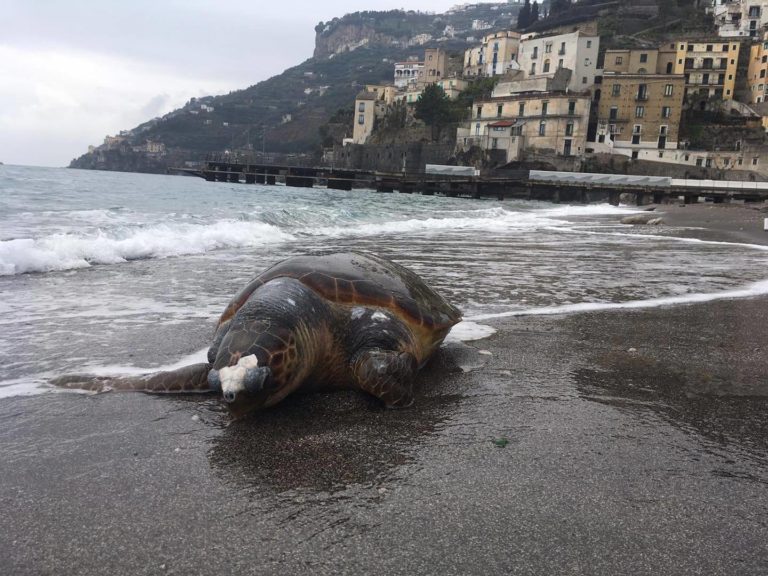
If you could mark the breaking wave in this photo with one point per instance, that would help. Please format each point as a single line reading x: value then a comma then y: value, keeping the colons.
x: 70, y: 251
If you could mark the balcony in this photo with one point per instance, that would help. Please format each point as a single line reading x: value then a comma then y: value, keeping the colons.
x: 641, y: 97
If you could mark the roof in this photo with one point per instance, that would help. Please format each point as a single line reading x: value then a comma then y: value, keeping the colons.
x: 503, y: 124
x: 365, y: 95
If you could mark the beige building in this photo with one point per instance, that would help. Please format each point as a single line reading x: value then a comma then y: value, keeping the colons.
x: 653, y: 61
x: 709, y: 67
x: 757, y: 72
x: 370, y: 105
x: 526, y: 124
x: 451, y: 86
x: 496, y: 55
x: 435, y: 66
x: 544, y: 55
x: 639, y: 111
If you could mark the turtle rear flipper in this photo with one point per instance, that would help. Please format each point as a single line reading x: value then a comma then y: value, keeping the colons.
x: 190, y: 379
x: 387, y: 375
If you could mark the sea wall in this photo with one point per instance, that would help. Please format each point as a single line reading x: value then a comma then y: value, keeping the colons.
x: 411, y: 157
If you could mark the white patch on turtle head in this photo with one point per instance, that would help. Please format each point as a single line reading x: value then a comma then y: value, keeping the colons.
x: 232, y: 377
x: 291, y: 301
x: 358, y: 312
x: 379, y: 316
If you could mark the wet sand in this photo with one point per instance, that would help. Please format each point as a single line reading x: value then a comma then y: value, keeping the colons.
x: 623, y: 442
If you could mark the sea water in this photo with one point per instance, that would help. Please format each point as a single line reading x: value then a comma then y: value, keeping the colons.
x: 104, y: 272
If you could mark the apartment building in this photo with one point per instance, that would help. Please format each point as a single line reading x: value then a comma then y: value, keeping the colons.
x: 526, y: 123
x: 408, y: 73
x: 576, y: 51
x: 652, y: 61
x: 496, y: 55
x: 639, y: 112
x: 740, y: 18
x: 757, y: 80
x: 709, y: 67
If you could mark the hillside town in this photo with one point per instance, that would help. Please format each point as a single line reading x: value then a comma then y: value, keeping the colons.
x: 685, y: 103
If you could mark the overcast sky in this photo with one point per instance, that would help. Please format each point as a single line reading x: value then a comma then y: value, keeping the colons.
x: 72, y: 71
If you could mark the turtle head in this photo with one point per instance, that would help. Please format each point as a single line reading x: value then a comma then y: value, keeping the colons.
x: 244, y: 386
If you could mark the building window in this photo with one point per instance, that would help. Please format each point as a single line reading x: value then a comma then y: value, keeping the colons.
x: 666, y: 112
x: 542, y: 128
x: 583, y: 79
x: 533, y: 68
x: 762, y: 73
x: 545, y: 68
x: 560, y: 63
x: 494, y: 143
x: 639, y: 111
x: 643, y: 58
x: 709, y: 47
x: 544, y: 106
x: 589, y: 43
x: 548, y: 47
x: 740, y: 161
x: 614, y: 113
x: 477, y: 129
x: 361, y: 107
x: 521, y: 109
x: 725, y: 47
x: 689, y: 48
x: 642, y: 91
x: 619, y: 60
x: 755, y: 160
x: 569, y: 129
x: 479, y: 112
x: 616, y: 90
x: 499, y: 110
x: 571, y: 107
x: 708, y: 163
x: 668, y: 90
x: 561, y: 52
x: 637, y: 129
x: 535, y: 52
x: 699, y: 162
x: 661, y: 154
x: 662, y: 130
x: 360, y: 118
x: 635, y: 154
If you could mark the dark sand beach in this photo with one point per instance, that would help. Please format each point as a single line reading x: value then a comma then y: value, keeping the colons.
x: 618, y: 442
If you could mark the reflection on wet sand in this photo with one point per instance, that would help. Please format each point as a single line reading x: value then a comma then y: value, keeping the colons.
x: 329, y: 442
x: 717, y: 390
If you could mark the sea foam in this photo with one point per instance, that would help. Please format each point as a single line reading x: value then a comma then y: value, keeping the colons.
x: 71, y: 251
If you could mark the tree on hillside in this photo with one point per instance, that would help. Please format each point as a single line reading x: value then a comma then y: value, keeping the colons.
x: 534, y: 12
x: 558, y: 6
x: 435, y: 109
x: 524, y: 16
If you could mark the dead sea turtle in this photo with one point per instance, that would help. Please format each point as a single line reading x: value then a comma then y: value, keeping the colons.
x: 345, y: 320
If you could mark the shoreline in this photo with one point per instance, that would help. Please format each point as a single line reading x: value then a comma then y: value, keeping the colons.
x: 609, y: 442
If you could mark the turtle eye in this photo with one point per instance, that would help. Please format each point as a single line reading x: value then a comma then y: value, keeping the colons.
x: 255, y: 378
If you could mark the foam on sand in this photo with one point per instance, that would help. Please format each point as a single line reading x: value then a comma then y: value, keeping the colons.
x: 751, y: 291
x: 467, y: 331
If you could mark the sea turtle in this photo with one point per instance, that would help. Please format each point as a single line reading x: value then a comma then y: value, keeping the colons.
x: 344, y: 320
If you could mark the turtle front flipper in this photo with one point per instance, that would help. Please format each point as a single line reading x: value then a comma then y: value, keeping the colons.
x: 190, y: 379
x: 387, y: 375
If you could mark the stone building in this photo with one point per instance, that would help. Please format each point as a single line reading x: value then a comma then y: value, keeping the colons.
x: 435, y: 66
x: 639, y: 112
